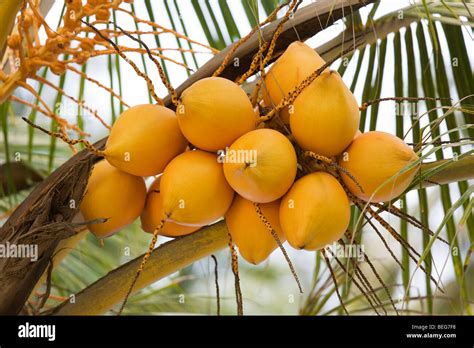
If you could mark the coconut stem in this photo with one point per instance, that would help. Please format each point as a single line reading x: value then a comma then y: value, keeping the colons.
x: 99, y: 297
x: 143, y: 263
x: 335, y: 165
x: 364, y: 286
x: 239, y: 43
x: 384, y: 242
x: 366, y: 104
x: 257, y: 61
x: 235, y: 270
x: 292, y: 8
x: 411, y: 219
x: 403, y: 243
x: 166, y: 82
x: 66, y: 139
x: 333, y: 276
x: 371, y: 294
x: 256, y: 93
x: 216, y: 279
x: 267, y: 224
x: 379, y: 278
x: 117, y: 49
x: 253, y: 65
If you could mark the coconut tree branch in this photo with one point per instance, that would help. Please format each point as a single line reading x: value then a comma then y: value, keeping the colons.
x: 459, y: 170
x: 58, y: 197
x: 106, y: 292
x: 167, y: 259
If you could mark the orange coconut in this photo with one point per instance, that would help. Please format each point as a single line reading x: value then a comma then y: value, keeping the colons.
x: 325, y: 116
x: 315, y: 212
x: 113, y: 195
x: 213, y: 112
x: 194, y: 190
x: 294, y: 65
x: 261, y: 165
x: 254, y: 240
x: 144, y: 139
x: 153, y: 213
x: 374, y: 158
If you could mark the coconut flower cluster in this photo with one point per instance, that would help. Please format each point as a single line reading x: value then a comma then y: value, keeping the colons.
x: 214, y: 159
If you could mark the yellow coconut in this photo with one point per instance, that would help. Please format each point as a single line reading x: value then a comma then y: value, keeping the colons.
x: 144, y: 139
x: 194, y: 190
x: 315, y: 212
x: 295, y: 64
x: 254, y: 240
x: 325, y: 116
x: 153, y: 213
x: 261, y: 165
x: 213, y: 112
x: 114, y: 195
x: 373, y: 158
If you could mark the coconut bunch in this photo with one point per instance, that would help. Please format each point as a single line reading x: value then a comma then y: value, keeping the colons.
x: 214, y: 159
